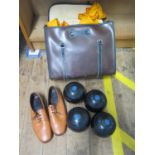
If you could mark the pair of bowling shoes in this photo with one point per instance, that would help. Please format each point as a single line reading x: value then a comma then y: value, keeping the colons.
x: 48, y: 119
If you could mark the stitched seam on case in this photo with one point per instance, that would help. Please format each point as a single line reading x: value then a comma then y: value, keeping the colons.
x: 100, y: 62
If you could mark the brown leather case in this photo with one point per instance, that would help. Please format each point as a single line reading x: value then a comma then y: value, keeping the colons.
x: 81, y: 51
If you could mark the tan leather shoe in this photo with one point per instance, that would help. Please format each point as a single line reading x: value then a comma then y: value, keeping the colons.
x: 57, y: 111
x: 40, y: 121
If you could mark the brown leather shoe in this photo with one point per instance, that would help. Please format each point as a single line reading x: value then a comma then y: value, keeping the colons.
x: 40, y: 121
x: 57, y: 111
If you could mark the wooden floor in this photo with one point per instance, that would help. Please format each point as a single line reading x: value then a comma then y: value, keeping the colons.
x: 34, y: 78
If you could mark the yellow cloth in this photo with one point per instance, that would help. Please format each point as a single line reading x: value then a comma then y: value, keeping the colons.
x: 96, y: 11
x: 86, y: 19
x: 92, y: 16
x: 55, y: 22
x: 64, y: 23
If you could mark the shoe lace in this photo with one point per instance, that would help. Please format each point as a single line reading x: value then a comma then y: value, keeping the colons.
x: 54, y: 110
x: 37, y: 116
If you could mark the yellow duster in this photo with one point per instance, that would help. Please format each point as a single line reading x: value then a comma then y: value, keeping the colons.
x: 92, y: 16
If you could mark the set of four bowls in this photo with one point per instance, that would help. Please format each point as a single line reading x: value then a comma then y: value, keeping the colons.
x: 102, y: 123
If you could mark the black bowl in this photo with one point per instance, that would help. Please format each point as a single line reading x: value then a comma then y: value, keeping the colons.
x: 78, y: 119
x: 103, y: 124
x: 95, y: 101
x: 74, y: 92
